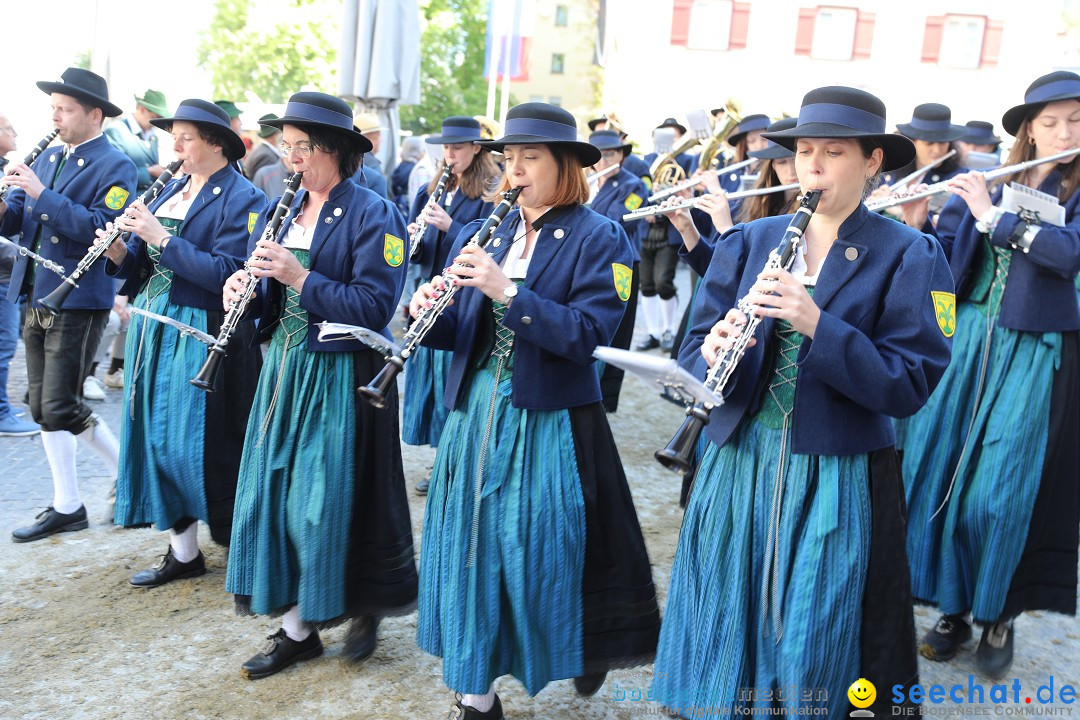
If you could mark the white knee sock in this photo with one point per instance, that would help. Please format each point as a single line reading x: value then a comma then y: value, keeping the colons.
x: 650, y: 308
x: 101, y: 439
x: 669, y: 309
x: 480, y: 703
x: 294, y: 627
x: 185, y: 545
x: 60, y: 448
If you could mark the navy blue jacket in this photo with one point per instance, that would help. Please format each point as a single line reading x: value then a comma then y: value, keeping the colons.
x: 640, y: 169
x: 370, y: 175
x: 1040, y: 293
x: 878, y: 351
x: 96, y: 184
x: 568, y: 304
x: 435, y: 244
x: 358, y: 260
x: 211, y: 246
x: 619, y: 195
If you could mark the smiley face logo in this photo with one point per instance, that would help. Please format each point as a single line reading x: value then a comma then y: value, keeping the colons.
x: 862, y: 693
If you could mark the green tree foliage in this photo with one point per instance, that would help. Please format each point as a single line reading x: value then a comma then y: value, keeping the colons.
x: 452, y: 63
x: 272, y: 49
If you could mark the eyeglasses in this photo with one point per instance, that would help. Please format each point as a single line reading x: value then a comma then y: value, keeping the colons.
x: 611, y: 154
x: 302, y: 151
x: 7, y: 128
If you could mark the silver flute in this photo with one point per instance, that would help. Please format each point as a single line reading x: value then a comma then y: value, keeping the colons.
x: 693, y: 182
x: 43, y: 261
x: 692, y: 203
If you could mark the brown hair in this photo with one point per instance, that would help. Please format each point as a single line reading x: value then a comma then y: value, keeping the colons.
x: 213, y: 135
x: 740, y: 150
x: 761, y: 206
x: 571, y: 188
x: 1024, y: 150
x: 477, y: 180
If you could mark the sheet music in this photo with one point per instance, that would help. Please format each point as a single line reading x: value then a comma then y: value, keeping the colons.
x: 665, y: 372
x: 374, y: 340
x: 1018, y: 197
x: 184, y: 329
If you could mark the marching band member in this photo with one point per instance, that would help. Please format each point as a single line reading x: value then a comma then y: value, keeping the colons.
x: 57, y: 205
x: 978, y: 137
x: 474, y: 176
x: 790, y: 568
x: 746, y: 138
x: 534, y: 564
x: 321, y: 529
x: 990, y: 463
x: 618, y: 194
x: 183, y: 247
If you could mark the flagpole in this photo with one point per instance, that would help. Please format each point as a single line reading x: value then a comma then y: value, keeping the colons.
x: 494, y: 60
x: 514, y: 34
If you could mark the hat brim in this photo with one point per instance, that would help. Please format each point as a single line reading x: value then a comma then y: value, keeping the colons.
x: 773, y: 152
x: 954, y: 132
x: 354, y: 134
x: 899, y: 150
x: 1014, y: 116
x: 234, y: 141
x: 587, y: 154
x: 625, y: 147
x: 677, y: 126
x: 107, y: 107
x: 981, y: 140
x: 450, y: 139
x: 152, y: 107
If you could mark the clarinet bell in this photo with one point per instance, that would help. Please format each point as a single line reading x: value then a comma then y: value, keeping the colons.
x: 678, y: 455
x: 207, y: 377
x: 55, y: 300
x: 376, y: 391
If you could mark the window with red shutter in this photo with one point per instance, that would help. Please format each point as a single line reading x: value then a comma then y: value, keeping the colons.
x: 992, y: 43
x: 804, y: 32
x: 864, y: 36
x: 680, y: 21
x: 931, y: 49
x: 740, y: 25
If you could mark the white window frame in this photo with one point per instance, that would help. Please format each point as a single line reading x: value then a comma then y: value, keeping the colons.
x: 710, y: 25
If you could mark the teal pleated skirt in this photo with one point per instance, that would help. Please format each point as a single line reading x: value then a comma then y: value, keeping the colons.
x: 162, y: 428
x: 964, y: 558
x: 294, y: 498
x: 424, y: 412
x: 764, y: 599
x: 502, y: 560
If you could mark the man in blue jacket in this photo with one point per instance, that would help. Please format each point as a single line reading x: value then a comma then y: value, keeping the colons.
x: 70, y: 191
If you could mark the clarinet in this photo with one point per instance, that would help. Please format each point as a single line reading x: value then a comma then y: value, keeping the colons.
x: 29, y: 159
x: 375, y: 392
x: 676, y: 456
x: 207, y: 376
x: 55, y: 300
x: 421, y: 223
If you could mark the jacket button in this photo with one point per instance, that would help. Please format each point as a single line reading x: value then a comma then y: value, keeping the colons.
x: 851, y: 254
x: 526, y: 320
x: 558, y: 233
x: 54, y: 240
x: 44, y: 217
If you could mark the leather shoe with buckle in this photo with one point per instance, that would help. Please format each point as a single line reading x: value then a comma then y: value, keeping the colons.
x: 943, y: 641
x: 466, y: 712
x: 994, y: 656
x: 361, y: 639
x: 49, y: 522
x: 281, y: 653
x: 169, y: 569
x: 588, y: 684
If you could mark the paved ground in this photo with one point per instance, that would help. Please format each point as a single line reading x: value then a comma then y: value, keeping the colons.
x: 77, y: 642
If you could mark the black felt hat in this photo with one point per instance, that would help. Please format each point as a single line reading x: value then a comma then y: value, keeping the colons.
x: 932, y: 122
x: 672, y: 123
x: 747, y: 125
x: 457, y: 129
x: 1060, y: 85
x: 203, y: 112
x: 609, y: 140
x: 843, y: 112
x: 775, y: 151
x: 980, y: 132
x: 83, y: 85
x: 316, y: 109
x: 537, y: 123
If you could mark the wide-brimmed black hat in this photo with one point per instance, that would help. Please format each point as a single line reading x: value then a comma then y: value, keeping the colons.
x: 457, y: 129
x: 596, y: 121
x: 83, y: 85
x: 980, y: 132
x: 775, y: 151
x: 537, y: 123
x: 609, y: 140
x: 1060, y: 85
x: 321, y: 110
x: 672, y: 123
x: 203, y: 112
x: 843, y: 112
x: 747, y: 125
x: 932, y: 122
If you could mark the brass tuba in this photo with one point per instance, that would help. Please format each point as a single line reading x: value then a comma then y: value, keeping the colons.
x: 665, y: 170
x: 712, y: 155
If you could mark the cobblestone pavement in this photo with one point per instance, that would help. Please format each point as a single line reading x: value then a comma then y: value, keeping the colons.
x: 78, y: 642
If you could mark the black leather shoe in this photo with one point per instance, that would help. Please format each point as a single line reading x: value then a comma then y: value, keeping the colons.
x: 464, y: 712
x: 994, y: 656
x: 649, y: 343
x: 169, y: 569
x: 587, y: 685
x: 281, y: 653
x: 49, y: 522
x: 943, y: 641
x: 361, y: 639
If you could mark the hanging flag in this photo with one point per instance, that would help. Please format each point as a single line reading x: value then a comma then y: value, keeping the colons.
x: 509, y: 29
